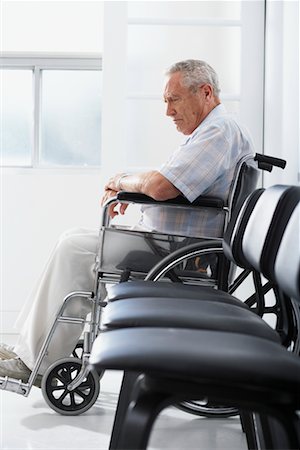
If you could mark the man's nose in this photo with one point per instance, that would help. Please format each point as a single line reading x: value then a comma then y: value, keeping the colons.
x: 170, y: 110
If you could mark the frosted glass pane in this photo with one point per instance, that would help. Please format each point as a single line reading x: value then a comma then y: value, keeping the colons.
x: 16, y: 117
x: 71, y: 117
x: 181, y: 9
x: 151, y: 49
x: 151, y: 135
x: 52, y: 26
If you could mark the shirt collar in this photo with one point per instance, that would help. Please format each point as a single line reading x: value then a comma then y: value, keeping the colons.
x: 218, y: 111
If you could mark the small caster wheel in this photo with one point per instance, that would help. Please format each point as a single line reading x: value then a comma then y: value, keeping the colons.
x: 55, y: 387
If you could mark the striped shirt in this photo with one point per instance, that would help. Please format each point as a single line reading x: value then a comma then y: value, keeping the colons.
x: 203, y: 165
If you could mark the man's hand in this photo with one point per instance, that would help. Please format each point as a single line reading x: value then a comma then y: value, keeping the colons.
x: 112, y: 211
x: 114, y: 182
x: 151, y: 183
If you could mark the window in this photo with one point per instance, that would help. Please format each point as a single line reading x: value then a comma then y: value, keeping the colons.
x: 16, y: 122
x: 50, y: 111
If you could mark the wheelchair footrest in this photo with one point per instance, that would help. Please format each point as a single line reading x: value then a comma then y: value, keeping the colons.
x: 13, y: 385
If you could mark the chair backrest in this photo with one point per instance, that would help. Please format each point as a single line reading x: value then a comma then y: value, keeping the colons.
x: 266, y: 226
x: 280, y: 261
x: 264, y: 235
x: 233, y: 237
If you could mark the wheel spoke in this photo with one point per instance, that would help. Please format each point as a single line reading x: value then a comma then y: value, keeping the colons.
x: 85, y: 385
x: 72, y: 397
x: 56, y: 388
x: 61, y: 379
x: 63, y: 396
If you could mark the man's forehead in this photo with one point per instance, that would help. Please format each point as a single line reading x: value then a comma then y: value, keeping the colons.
x: 173, y: 85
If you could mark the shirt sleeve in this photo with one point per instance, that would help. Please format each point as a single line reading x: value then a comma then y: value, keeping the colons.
x: 196, y: 165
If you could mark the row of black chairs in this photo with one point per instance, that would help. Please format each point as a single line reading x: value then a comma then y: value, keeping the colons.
x: 186, y: 345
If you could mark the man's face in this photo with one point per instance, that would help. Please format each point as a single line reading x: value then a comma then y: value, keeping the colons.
x: 186, y: 108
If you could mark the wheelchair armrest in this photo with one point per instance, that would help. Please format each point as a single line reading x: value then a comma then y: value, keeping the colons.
x: 133, y: 197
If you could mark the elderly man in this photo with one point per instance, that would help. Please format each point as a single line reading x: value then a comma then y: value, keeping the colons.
x: 203, y: 165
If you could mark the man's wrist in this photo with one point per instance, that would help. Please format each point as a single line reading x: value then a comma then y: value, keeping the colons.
x: 119, y: 182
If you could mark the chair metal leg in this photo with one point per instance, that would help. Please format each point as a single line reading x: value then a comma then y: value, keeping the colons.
x: 248, y: 426
x: 278, y: 433
x: 128, y: 382
x: 143, y: 408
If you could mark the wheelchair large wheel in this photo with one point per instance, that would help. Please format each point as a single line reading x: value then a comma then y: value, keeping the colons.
x: 206, y: 409
x: 55, y: 388
x: 199, y: 408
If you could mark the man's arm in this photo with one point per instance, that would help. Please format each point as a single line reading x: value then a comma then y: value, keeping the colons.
x: 152, y: 183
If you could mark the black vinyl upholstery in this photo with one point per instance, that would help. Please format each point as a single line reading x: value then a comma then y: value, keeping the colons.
x: 169, y: 290
x: 185, y: 313
x: 232, y: 366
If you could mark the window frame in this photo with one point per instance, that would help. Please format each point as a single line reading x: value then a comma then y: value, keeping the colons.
x: 37, y: 62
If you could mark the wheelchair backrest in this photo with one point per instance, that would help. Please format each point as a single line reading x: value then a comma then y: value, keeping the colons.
x: 244, y: 182
x: 246, y: 176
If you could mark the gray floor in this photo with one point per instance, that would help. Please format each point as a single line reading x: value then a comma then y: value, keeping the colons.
x: 28, y: 423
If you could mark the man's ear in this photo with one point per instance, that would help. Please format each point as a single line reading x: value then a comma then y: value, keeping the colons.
x: 208, y: 92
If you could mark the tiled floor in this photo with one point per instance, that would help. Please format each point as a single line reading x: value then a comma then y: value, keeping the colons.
x: 28, y: 423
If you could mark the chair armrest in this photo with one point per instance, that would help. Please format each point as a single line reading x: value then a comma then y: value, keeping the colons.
x: 133, y: 197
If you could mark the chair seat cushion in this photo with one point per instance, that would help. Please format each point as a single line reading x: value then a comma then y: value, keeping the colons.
x: 200, y: 356
x: 169, y: 290
x: 185, y: 313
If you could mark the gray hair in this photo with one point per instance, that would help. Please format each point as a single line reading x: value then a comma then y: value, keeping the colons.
x: 196, y: 72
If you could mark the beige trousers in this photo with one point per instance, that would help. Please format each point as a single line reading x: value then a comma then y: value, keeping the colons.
x: 71, y: 267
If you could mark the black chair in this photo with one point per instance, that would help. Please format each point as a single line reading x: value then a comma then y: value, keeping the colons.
x: 142, y: 250
x: 232, y: 368
x: 284, y: 313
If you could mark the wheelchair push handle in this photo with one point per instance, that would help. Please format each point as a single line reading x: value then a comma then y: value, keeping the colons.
x: 266, y: 162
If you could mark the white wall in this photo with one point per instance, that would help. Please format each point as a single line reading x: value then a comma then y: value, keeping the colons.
x: 36, y: 209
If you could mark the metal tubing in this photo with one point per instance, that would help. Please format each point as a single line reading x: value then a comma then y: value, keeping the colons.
x: 46, y: 343
x: 13, y: 385
x: 84, y: 371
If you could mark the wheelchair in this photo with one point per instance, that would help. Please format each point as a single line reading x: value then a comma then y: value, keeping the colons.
x: 129, y: 254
